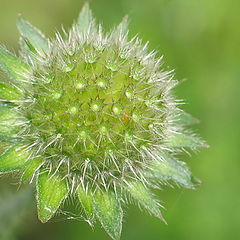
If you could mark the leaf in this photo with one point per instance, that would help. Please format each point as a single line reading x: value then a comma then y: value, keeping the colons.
x: 185, y: 140
x: 171, y: 169
x: 86, y: 200
x: 109, y: 213
x: 14, y: 158
x: 51, y: 192
x: 85, y: 20
x: 10, y: 122
x: 12, y: 65
x: 34, y: 38
x: 145, y: 198
x: 32, y: 167
x: 9, y: 92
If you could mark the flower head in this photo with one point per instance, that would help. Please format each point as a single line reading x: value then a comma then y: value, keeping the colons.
x: 92, y: 116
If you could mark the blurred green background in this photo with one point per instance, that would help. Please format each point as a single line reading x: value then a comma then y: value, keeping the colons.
x: 200, y: 39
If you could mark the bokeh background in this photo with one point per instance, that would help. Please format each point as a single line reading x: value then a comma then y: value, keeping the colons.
x: 200, y: 39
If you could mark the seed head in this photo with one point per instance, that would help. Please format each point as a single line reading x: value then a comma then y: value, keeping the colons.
x: 91, y: 116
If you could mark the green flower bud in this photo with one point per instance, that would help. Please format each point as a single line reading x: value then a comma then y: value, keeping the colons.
x: 91, y: 116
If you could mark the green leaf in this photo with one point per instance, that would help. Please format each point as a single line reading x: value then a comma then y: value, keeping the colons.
x: 8, y: 92
x: 109, y: 212
x: 10, y: 123
x: 14, y: 158
x: 34, y: 39
x: 51, y: 192
x: 145, y: 198
x: 85, y: 20
x: 171, y: 169
x: 12, y: 65
x: 86, y: 200
x: 185, y: 140
x: 31, y: 168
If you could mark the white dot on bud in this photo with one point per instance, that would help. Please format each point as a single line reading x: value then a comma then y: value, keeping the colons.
x: 79, y: 85
x: 129, y: 94
x: 68, y: 68
x: 73, y: 110
x: 113, y: 66
x: 102, y: 83
x: 135, y: 117
x: 128, y: 137
x: 95, y: 107
x: 83, y: 135
x: 116, y: 110
x: 103, y: 130
x: 56, y: 95
x: 151, y: 126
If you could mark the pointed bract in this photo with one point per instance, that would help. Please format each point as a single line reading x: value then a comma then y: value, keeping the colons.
x: 14, y: 158
x: 109, y: 212
x: 34, y: 39
x: 185, y: 119
x: 31, y: 168
x: 13, y: 66
x: 145, y: 198
x: 9, y: 92
x: 171, y: 169
x: 51, y: 192
x: 182, y: 140
x: 85, y: 20
x: 121, y: 30
x: 10, y: 122
x: 86, y: 201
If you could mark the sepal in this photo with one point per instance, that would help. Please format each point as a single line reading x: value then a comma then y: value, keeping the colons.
x: 33, y: 38
x: 10, y: 123
x: 86, y: 200
x: 9, y: 92
x: 170, y: 169
x: 12, y: 65
x: 85, y: 21
x: 14, y: 158
x: 145, y: 198
x: 109, y: 213
x: 185, y: 119
x: 185, y: 140
x: 52, y: 190
x: 31, y: 168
